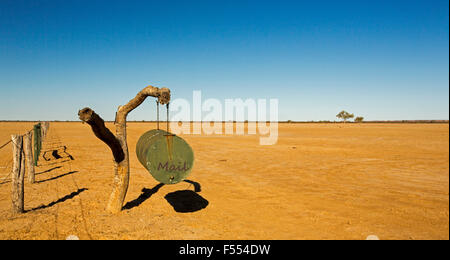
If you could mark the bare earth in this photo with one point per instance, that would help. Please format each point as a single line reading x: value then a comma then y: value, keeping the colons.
x: 321, y: 181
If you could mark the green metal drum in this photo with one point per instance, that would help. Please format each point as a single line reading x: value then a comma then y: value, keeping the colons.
x: 167, y: 157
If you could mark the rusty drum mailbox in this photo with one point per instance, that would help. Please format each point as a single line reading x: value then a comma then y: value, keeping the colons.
x: 167, y: 157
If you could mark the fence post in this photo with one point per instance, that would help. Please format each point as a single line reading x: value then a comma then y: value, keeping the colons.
x: 47, y: 126
x: 17, y: 175
x: 28, y: 149
x: 37, y: 142
x: 43, y: 130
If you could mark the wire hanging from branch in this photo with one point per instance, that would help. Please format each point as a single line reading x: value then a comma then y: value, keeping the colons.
x: 157, y: 114
x: 167, y: 119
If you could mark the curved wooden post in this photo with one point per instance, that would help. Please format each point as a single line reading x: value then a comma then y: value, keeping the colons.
x: 118, y: 142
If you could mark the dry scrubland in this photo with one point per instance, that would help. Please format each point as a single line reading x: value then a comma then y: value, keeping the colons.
x: 321, y: 181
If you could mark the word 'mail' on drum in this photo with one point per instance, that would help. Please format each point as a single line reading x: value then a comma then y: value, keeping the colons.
x: 167, y: 157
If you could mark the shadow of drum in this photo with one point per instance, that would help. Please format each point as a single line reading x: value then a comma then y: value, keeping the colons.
x: 185, y: 201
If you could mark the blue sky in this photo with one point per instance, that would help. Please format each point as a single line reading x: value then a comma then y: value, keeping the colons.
x: 383, y: 60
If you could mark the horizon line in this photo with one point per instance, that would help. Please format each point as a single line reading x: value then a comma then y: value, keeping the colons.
x: 246, y: 121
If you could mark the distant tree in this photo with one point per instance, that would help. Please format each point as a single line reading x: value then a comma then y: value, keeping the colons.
x: 359, y: 119
x: 344, y: 115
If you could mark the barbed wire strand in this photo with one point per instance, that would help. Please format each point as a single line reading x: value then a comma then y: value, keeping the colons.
x: 9, y: 164
x: 5, y: 144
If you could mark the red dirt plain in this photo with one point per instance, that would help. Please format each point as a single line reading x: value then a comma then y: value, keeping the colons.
x: 320, y: 181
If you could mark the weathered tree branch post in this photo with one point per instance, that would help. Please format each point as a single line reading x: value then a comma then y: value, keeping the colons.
x: 47, y: 127
x: 28, y: 149
x: 118, y: 142
x: 17, y: 175
x: 44, y: 129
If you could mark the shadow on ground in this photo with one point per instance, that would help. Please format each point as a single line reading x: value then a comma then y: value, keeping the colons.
x: 49, y: 170
x: 58, y: 153
x: 146, y: 194
x: 67, y: 197
x: 182, y: 201
x: 56, y: 177
x: 185, y: 201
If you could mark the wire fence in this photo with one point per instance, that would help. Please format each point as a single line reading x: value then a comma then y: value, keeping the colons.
x: 6, y: 169
x: 38, y: 133
x: 5, y: 172
x: 4, y: 145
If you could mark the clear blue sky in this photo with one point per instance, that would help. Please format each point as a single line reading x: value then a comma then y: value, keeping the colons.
x: 383, y: 60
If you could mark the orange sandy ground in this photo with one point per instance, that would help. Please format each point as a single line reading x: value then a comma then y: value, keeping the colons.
x: 321, y: 181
